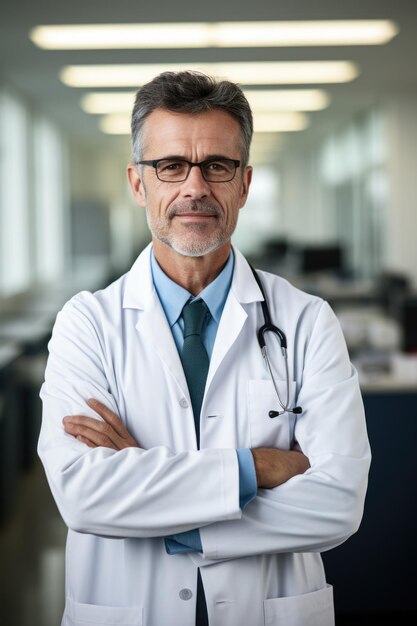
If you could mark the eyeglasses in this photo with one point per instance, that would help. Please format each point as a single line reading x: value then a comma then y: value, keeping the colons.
x: 177, y: 170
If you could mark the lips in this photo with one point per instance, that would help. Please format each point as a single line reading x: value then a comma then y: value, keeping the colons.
x: 193, y: 210
x: 197, y: 214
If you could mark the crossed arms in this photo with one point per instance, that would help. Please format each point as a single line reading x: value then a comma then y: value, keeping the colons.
x: 273, y: 466
x: 145, y: 491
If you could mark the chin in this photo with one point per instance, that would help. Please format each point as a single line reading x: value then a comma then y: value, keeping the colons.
x: 196, y: 250
x: 193, y: 248
x: 193, y: 243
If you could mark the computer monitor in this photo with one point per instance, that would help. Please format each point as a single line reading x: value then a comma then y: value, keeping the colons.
x: 276, y: 248
x: 408, y: 320
x: 323, y: 258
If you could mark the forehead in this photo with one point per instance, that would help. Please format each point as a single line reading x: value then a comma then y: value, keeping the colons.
x: 168, y: 133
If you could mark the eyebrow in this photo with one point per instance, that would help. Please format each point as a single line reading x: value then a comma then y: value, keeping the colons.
x: 210, y: 157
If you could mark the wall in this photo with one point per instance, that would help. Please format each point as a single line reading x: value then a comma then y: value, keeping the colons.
x: 358, y: 185
x: 402, y: 215
x: 108, y: 229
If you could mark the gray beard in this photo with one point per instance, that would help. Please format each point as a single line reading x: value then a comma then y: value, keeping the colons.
x: 197, y: 247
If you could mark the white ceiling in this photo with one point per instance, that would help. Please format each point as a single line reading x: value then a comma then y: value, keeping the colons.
x: 385, y: 70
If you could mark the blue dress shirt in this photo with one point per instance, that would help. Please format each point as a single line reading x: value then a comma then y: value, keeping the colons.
x: 173, y: 297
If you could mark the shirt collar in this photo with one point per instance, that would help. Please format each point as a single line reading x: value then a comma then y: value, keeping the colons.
x: 173, y: 297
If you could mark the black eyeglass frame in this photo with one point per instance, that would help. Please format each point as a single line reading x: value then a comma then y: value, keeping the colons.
x: 154, y: 163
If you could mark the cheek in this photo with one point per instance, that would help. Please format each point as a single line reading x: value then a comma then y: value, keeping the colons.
x: 234, y: 213
x: 238, y: 191
x: 229, y: 195
x: 234, y: 201
x: 158, y: 198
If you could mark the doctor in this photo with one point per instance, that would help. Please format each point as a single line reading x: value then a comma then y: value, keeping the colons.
x: 185, y: 502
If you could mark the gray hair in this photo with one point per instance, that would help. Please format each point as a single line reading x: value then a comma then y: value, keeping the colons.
x: 191, y: 92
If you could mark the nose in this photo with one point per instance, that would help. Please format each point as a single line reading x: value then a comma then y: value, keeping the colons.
x: 195, y: 186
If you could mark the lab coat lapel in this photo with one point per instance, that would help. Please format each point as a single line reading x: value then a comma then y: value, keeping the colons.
x: 244, y: 290
x: 152, y: 323
x: 155, y: 331
x: 231, y: 324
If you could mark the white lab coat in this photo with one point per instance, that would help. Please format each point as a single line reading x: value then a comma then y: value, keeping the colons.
x: 259, y: 566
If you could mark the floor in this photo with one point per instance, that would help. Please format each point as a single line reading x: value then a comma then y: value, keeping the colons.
x: 32, y: 557
x: 32, y: 563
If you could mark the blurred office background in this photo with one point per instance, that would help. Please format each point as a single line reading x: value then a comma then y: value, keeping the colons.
x: 332, y: 207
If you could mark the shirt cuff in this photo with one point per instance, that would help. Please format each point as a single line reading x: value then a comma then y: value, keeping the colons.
x: 188, y: 541
x: 248, y: 485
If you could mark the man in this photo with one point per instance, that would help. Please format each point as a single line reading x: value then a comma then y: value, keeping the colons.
x: 186, y: 503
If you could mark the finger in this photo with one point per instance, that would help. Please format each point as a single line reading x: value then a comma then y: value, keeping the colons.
x: 100, y: 432
x: 109, y: 417
x: 78, y: 428
x: 84, y: 420
x: 121, y: 435
x: 88, y: 442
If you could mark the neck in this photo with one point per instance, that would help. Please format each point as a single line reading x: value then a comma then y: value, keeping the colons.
x: 192, y: 273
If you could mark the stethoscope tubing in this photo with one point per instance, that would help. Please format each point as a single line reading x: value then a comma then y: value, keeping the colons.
x: 268, y: 326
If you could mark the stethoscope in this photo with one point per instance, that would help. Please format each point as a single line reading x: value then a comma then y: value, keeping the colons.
x: 269, y: 327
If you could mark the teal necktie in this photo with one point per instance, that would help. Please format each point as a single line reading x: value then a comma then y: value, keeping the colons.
x: 194, y: 357
x: 195, y: 363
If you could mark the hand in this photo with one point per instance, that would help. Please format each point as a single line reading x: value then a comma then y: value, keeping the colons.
x: 274, y: 467
x: 111, y: 433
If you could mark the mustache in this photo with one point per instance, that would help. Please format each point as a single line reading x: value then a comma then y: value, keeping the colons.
x: 200, y: 206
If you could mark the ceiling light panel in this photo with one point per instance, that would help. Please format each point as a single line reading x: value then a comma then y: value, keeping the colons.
x: 119, y: 124
x: 115, y: 124
x: 312, y: 33
x: 287, y: 99
x: 250, y: 73
x: 101, y: 103
x: 216, y: 34
x: 259, y: 100
x: 281, y: 122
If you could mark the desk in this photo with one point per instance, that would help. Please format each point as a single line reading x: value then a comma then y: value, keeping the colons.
x: 31, y: 334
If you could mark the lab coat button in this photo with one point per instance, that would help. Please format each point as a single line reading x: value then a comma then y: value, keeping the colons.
x: 186, y: 594
x: 184, y: 403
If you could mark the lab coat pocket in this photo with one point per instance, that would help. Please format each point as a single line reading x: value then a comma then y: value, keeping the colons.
x: 77, y: 614
x: 308, y: 609
x: 276, y: 432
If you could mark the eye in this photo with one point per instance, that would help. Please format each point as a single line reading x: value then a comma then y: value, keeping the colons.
x: 171, y: 166
x: 217, y: 166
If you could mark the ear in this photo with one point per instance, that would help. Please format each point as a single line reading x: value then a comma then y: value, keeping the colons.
x: 136, y: 184
x: 246, y: 181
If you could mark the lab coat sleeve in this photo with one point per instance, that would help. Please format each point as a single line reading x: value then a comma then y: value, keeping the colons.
x: 190, y: 541
x: 321, y: 508
x: 132, y: 492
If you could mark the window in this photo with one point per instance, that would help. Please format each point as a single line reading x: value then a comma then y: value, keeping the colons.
x: 15, y: 264
x: 49, y: 186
